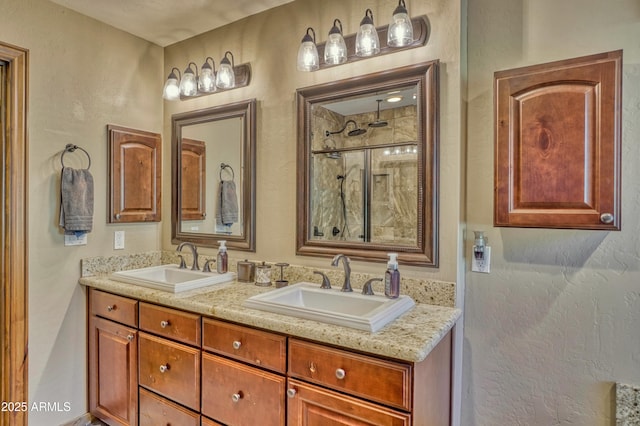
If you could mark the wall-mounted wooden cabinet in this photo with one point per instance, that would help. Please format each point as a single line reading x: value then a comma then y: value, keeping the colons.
x: 557, y: 144
x: 135, y: 175
x: 193, y: 179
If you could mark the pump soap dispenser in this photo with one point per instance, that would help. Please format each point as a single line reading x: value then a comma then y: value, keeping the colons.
x: 222, y: 262
x: 392, y: 277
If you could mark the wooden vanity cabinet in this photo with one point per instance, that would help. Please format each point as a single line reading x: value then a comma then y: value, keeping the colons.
x: 113, y: 358
x: 153, y: 365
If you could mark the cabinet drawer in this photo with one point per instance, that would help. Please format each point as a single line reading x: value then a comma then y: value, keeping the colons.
x: 316, y: 406
x: 113, y: 307
x: 261, y: 348
x: 170, y: 369
x: 368, y: 377
x: 238, y: 395
x: 155, y: 410
x: 171, y: 323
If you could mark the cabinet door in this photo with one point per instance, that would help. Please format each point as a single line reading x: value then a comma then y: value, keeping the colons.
x: 557, y: 154
x: 310, y: 405
x: 135, y: 175
x: 113, y: 376
x: 194, y: 172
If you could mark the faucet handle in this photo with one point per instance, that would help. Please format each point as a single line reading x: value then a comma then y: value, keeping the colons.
x: 325, y: 280
x: 367, y: 286
x: 183, y: 264
x: 206, y: 267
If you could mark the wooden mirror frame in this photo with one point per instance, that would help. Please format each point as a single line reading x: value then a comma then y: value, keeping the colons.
x: 247, y: 111
x: 425, y: 77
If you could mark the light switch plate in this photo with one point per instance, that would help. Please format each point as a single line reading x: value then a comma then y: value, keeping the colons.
x: 118, y: 240
x: 482, y: 265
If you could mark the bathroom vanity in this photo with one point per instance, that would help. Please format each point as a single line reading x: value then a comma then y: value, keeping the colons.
x: 202, y: 358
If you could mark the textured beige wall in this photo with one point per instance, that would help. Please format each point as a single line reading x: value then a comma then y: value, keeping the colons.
x: 269, y: 41
x: 556, y: 322
x: 83, y: 75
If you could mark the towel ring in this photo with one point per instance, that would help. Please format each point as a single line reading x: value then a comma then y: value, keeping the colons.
x: 71, y: 148
x: 226, y: 166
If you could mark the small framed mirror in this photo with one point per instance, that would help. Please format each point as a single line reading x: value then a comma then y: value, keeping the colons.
x: 213, y: 176
x: 367, y: 166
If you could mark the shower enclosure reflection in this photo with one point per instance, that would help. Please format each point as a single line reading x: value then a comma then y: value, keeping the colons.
x: 365, y: 174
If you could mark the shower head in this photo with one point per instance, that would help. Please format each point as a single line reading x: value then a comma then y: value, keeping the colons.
x: 378, y: 122
x: 355, y: 132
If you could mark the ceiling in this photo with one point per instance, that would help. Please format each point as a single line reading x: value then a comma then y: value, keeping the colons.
x: 165, y: 22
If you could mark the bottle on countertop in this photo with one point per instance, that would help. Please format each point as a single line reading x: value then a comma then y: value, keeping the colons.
x: 222, y: 261
x: 392, y: 277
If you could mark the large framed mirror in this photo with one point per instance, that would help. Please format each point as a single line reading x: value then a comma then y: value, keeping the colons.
x: 213, y: 176
x: 368, y: 167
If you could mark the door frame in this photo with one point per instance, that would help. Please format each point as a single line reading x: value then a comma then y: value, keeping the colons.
x: 14, y: 331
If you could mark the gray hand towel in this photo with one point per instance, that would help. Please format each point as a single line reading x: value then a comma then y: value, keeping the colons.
x: 227, y: 209
x: 76, y: 201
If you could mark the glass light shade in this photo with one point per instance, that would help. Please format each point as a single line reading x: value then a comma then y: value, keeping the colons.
x: 308, y: 53
x: 367, y: 40
x: 171, y: 91
x: 226, y: 78
x: 188, y: 83
x: 400, y: 31
x: 207, y: 80
x: 335, y: 49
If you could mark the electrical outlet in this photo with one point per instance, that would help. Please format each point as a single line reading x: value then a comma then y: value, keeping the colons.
x: 73, y: 240
x: 482, y: 264
x: 118, y: 240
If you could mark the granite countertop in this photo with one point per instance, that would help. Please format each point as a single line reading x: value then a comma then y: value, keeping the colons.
x: 410, y: 338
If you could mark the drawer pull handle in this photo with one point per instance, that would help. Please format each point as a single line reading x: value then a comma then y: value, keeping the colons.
x: 164, y: 367
x: 237, y: 344
x: 291, y: 392
x: 111, y: 308
x: 236, y: 397
x: 164, y: 324
x: 130, y: 337
x: 340, y: 373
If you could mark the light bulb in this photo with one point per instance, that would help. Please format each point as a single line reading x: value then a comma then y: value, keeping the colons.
x: 367, y: 41
x: 400, y: 31
x: 308, y: 53
x: 335, y: 50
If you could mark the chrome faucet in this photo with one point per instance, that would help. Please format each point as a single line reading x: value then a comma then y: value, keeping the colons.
x: 347, y: 271
x: 194, y: 252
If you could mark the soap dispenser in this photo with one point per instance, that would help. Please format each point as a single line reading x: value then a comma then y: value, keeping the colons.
x: 222, y: 262
x: 392, y: 277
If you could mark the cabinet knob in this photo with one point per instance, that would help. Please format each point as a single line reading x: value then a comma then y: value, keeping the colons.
x: 291, y: 392
x: 236, y: 397
x: 111, y: 308
x: 164, y: 324
x: 606, y: 218
x: 237, y: 344
x: 163, y: 368
x: 340, y: 373
x: 117, y: 216
x: 130, y: 337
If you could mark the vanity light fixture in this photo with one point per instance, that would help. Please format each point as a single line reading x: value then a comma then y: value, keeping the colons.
x: 308, y: 52
x: 192, y: 85
x: 171, y: 91
x: 226, y: 78
x: 400, y: 31
x: 189, y: 81
x: 335, y: 51
x: 367, y: 41
x: 207, y: 80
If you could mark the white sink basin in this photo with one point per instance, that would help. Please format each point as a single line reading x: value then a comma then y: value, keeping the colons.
x: 355, y: 310
x: 171, y: 278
